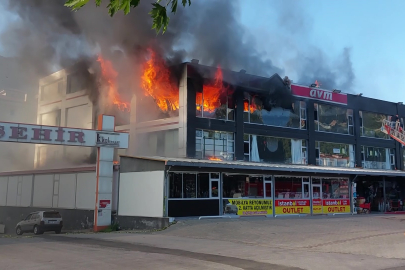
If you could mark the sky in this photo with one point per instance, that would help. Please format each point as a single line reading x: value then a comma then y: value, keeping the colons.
x: 372, y: 30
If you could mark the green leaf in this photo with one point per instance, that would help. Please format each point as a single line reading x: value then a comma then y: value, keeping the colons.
x: 98, y: 3
x: 160, y: 18
x: 75, y: 4
x: 174, y: 6
x: 125, y: 6
x: 135, y: 3
x: 184, y: 2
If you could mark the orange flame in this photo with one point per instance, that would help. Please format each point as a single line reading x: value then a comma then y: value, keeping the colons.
x: 110, y: 76
x: 215, y: 159
x: 212, y: 92
x: 157, y: 83
x: 318, y: 84
x: 253, y: 106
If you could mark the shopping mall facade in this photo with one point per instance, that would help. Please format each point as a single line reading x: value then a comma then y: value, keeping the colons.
x: 252, y: 146
x: 263, y: 152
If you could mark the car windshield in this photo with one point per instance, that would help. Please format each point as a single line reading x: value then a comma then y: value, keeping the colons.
x: 52, y: 215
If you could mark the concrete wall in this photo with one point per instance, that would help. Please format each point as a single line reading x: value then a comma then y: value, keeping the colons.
x: 141, y: 194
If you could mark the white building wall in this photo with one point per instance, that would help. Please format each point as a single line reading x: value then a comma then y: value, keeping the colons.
x: 86, y: 191
x: 141, y: 194
x: 3, y: 190
x: 26, y: 190
x: 43, y: 191
x: 67, y: 191
x: 61, y: 190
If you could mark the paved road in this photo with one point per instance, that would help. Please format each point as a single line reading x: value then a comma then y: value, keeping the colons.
x: 359, y: 242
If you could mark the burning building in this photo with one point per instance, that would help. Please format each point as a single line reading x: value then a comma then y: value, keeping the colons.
x: 211, y: 138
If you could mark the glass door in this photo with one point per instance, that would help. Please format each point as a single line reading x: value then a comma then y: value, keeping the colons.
x: 214, y: 185
x: 268, y: 187
x: 316, y: 193
x: 268, y: 193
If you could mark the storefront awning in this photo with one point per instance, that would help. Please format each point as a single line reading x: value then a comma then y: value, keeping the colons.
x: 243, y: 165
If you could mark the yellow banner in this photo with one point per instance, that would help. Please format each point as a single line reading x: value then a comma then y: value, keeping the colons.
x: 292, y: 207
x: 336, y: 209
x: 253, y: 207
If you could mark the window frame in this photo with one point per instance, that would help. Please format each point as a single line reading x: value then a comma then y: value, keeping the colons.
x: 196, y: 181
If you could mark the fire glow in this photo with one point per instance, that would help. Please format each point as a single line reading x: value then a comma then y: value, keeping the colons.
x: 317, y: 84
x: 157, y: 83
x: 110, y: 76
x: 212, y: 93
x: 214, y: 159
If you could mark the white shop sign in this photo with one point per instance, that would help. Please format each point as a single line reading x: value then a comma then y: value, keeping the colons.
x: 38, y: 134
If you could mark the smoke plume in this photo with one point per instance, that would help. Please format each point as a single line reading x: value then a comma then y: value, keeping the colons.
x: 46, y: 37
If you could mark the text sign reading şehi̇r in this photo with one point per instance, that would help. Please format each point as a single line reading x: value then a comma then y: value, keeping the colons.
x: 252, y: 207
x: 291, y: 207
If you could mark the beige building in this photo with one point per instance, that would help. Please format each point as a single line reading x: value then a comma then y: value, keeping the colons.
x: 65, y: 100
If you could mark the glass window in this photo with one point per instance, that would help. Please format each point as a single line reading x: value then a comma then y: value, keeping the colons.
x: 203, y: 185
x: 215, y: 101
x: 335, y: 188
x: 334, y: 119
x: 258, y: 110
x: 288, y: 188
x: 189, y: 185
x: 52, y: 90
x: 370, y: 125
x: 242, y: 186
x: 275, y: 150
x: 77, y: 82
x: 51, y: 118
x: 215, y: 145
x: 176, y: 185
x: 378, y: 158
x: 334, y: 154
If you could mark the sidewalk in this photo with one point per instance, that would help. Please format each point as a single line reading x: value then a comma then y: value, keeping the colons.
x: 309, y: 243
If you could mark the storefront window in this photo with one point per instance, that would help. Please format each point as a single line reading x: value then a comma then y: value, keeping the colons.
x: 258, y: 110
x: 242, y: 186
x: 370, y: 124
x: 188, y: 185
x: 215, y: 102
x: 290, y: 187
x: 275, y: 150
x: 335, y: 188
x: 334, y: 119
x: 215, y: 145
x: 334, y: 154
x: 378, y: 158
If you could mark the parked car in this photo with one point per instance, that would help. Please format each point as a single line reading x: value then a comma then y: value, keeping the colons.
x: 40, y: 222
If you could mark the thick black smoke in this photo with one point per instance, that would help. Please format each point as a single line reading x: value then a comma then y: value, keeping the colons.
x: 49, y: 36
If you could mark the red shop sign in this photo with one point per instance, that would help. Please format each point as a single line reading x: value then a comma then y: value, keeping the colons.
x: 336, y: 202
x: 286, y: 203
x: 104, y: 203
x: 318, y: 94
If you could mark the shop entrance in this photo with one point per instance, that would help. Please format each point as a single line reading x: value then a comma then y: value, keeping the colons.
x: 316, y: 193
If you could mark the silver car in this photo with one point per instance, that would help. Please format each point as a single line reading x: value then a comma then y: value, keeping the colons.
x: 40, y: 222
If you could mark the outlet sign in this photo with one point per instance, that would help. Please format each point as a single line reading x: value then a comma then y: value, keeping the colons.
x: 318, y: 94
x: 37, y: 134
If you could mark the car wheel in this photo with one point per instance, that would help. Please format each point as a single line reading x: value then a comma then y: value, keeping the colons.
x: 18, y: 231
x: 36, y: 230
x: 58, y: 231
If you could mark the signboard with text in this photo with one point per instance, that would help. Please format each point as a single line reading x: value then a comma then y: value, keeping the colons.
x: 332, y: 206
x: 292, y: 207
x: 318, y: 94
x: 317, y: 206
x: 252, y: 207
x: 38, y: 134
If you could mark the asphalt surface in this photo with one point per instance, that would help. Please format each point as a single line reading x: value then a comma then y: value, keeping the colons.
x: 343, y: 242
